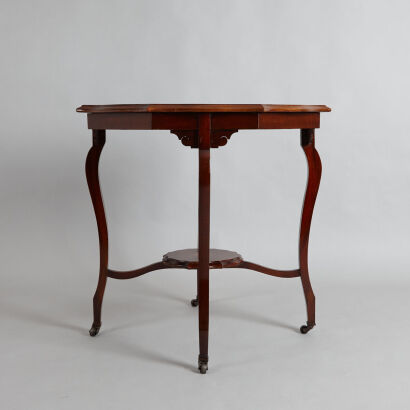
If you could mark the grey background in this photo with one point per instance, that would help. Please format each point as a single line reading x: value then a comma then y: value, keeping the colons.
x: 350, y: 55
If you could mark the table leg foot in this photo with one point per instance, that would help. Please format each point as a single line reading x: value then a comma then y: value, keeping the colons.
x: 305, y: 328
x: 94, y: 330
x: 202, y: 365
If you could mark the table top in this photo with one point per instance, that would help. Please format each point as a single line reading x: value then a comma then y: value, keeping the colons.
x: 172, y: 108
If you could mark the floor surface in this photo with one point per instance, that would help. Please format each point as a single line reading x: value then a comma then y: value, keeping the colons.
x: 145, y: 355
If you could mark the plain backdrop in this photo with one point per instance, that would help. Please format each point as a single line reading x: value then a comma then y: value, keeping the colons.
x: 351, y: 55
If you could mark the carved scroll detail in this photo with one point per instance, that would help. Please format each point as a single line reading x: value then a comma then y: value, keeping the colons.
x: 220, y: 137
x: 189, y: 138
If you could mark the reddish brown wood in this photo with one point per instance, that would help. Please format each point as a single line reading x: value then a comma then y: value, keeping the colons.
x: 120, y: 121
x: 202, y: 108
x: 188, y: 259
x: 177, y: 121
x: 219, y: 259
x: 219, y: 138
x: 142, y: 121
x: 289, y: 120
x: 268, y: 271
x: 314, y: 173
x: 226, y: 121
x: 189, y: 121
x: 204, y: 181
x: 91, y: 169
x: 115, y: 274
x: 204, y: 127
x: 189, y: 138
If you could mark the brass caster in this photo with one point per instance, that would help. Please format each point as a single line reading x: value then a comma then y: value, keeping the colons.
x: 305, y: 328
x: 202, y: 366
x: 94, y: 330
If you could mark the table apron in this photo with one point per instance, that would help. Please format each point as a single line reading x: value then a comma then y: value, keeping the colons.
x: 189, y: 121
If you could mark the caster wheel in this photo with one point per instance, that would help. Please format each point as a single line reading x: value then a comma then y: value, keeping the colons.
x: 194, y: 302
x: 202, y: 365
x: 94, y: 330
x: 305, y: 328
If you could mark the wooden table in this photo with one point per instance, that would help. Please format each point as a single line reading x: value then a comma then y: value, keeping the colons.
x: 204, y: 126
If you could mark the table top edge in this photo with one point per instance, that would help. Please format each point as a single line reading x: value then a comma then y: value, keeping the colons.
x: 200, y: 108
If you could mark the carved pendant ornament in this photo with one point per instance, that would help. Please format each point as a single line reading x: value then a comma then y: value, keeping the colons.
x: 189, y: 138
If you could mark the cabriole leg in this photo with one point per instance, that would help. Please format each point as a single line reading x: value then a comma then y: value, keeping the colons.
x: 314, y: 174
x: 91, y: 170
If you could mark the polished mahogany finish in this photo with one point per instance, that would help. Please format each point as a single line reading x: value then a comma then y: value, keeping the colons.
x: 204, y: 126
x: 189, y: 121
x: 307, y: 139
x: 91, y: 170
x: 189, y: 258
x: 206, y: 108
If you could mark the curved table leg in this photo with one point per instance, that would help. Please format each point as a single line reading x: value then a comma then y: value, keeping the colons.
x: 314, y: 174
x: 91, y: 170
x: 203, y: 238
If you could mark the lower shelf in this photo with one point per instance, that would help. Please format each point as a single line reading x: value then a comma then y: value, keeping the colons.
x: 188, y: 259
